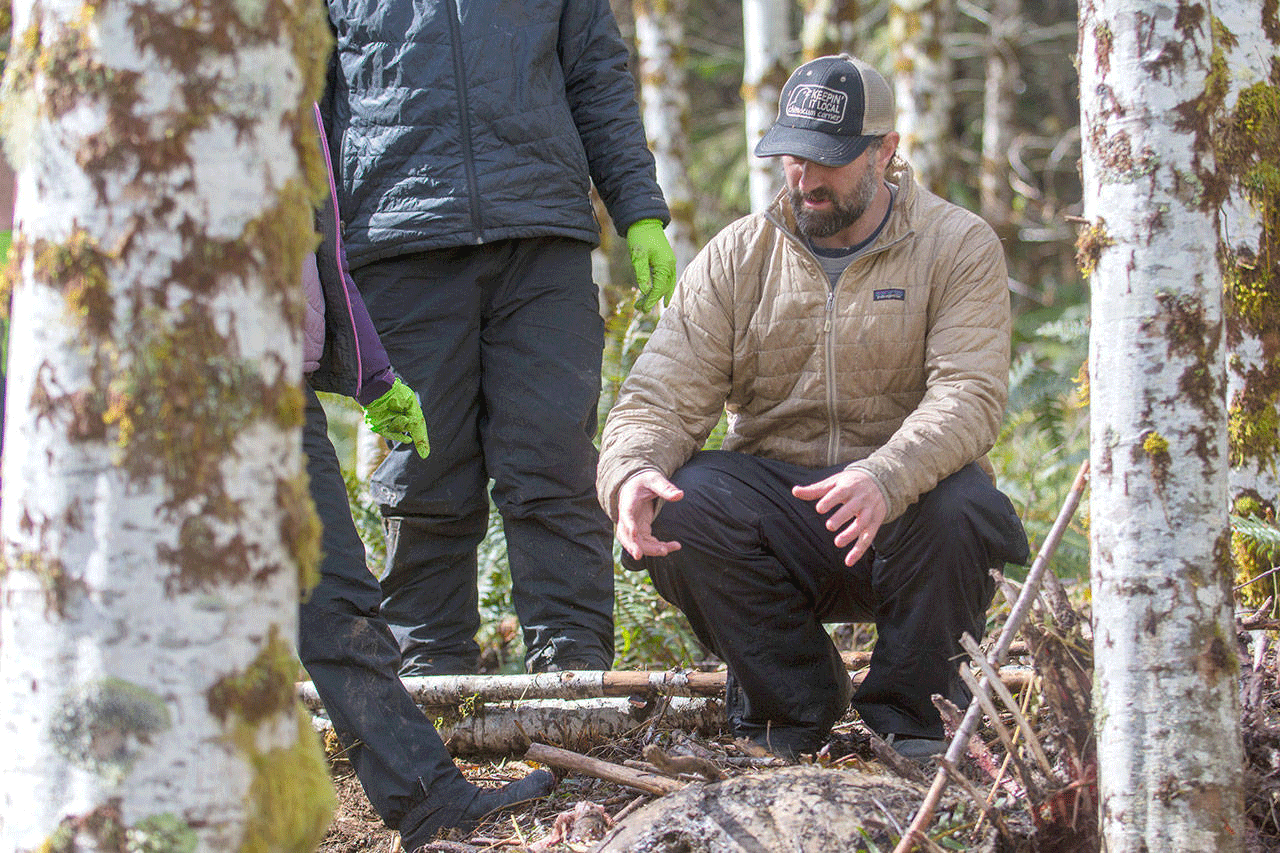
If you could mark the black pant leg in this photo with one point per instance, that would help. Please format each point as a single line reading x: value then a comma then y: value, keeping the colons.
x: 427, y: 308
x: 541, y: 346
x: 752, y: 575
x: 353, y: 661
x: 930, y: 574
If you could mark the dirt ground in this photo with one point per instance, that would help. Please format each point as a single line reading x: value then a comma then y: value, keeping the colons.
x: 1049, y: 813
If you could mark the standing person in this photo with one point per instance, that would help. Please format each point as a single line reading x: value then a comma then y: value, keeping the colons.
x: 471, y: 131
x: 857, y: 332
x: 348, y: 651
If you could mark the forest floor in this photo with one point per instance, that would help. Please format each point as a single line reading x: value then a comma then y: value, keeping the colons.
x: 1038, y: 807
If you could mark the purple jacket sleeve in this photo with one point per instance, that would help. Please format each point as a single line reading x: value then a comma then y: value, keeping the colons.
x: 376, y: 376
x: 354, y: 361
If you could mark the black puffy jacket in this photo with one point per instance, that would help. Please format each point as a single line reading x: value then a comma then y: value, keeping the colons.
x: 461, y: 122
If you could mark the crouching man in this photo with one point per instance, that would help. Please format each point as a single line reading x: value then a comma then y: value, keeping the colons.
x: 857, y: 332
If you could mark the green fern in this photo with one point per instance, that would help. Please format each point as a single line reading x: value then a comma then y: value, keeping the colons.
x: 1260, y: 534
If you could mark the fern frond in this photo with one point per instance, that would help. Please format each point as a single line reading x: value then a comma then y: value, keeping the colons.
x: 1259, y: 533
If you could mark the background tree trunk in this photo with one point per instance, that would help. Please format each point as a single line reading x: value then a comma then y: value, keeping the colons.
x: 152, y: 550
x: 664, y: 101
x: 998, y: 101
x: 371, y: 449
x: 923, y: 86
x: 1247, y: 151
x: 829, y: 26
x: 1167, y: 713
x: 766, y: 27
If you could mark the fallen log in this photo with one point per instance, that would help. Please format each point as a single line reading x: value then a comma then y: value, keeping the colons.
x: 649, y: 783
x: 443, y: 691
x: 494, y: 729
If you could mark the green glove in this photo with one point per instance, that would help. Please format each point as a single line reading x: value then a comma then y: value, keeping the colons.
x: 397, y: 415
x: 654, y: 262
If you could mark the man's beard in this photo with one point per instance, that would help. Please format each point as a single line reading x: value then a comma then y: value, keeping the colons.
x: 844, y: 211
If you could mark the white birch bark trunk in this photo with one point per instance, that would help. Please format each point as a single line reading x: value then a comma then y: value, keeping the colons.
x: 828, y: 27
x: 371, y: 449
x: 923, y: 86
x: 995, y: 193
x: 1249, y: 240
x: 152, y: 550
x: 766, y: 45
x: 1168, y: 720
x: 664, y: 102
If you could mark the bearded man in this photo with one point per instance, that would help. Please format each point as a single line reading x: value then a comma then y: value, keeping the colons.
x: 857, y: 333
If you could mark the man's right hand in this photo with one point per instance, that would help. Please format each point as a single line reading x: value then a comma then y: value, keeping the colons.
x: 637, y: 508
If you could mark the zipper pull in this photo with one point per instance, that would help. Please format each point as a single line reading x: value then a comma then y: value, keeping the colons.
x: 831, y: 299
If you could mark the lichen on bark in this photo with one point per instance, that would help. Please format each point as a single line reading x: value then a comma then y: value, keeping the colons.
x: 103, y: 830
x: 104, y: 726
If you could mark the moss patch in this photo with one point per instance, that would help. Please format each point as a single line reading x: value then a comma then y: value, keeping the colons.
x: 1246, y: 144
x: 1156, y: 447
x: 1250, y: 559
x: 79, y: 268
x: 264, y: 690
x: 300, y: 528
x: 1090, y: 243
x: 291, y: 799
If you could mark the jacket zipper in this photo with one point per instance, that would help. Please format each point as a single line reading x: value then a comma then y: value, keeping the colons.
x: 833, y: 426
x: 828, y: 328
x: 464, y: 116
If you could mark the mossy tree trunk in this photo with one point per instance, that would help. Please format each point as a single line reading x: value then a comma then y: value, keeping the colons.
x: 664, y: 100
x: 1168, y: 719
x: 1247, y: 154
x: 923, y: 86
x: 766, y: 61
x: 156, y: 524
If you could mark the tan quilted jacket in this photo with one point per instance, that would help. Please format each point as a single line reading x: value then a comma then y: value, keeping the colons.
x: 901, y: 370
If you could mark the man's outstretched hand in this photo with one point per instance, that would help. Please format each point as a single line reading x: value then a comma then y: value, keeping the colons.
x: 637, y: 508
x: 859, y: 509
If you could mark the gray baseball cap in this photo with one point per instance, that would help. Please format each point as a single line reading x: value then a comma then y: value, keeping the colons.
x: 829, y: 111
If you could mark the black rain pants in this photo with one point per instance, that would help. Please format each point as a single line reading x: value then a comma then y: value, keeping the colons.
x: 502, y: 342
x: 354, y: 662
x: 758, y: 574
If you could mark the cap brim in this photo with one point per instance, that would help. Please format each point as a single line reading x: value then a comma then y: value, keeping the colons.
x: 811, y: 145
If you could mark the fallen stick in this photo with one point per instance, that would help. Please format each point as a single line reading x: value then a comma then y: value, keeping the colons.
x: 649, y: 783
x: 960, y: 743
x: 439, y: 691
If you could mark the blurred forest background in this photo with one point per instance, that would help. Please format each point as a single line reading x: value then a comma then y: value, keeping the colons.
x: 987, y: 103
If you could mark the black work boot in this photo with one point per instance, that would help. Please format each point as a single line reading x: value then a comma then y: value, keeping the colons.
x: 487, y: 801
x: 785, y: 741
x: 535, y: 786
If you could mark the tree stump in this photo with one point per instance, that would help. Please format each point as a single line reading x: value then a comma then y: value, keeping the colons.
x: 790, y: 810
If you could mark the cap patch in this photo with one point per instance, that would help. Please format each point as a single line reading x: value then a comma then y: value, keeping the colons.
x: 817, y: 103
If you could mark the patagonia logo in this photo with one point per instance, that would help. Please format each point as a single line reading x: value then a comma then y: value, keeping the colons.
x: 889, y: 293
x: 817, y: 103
